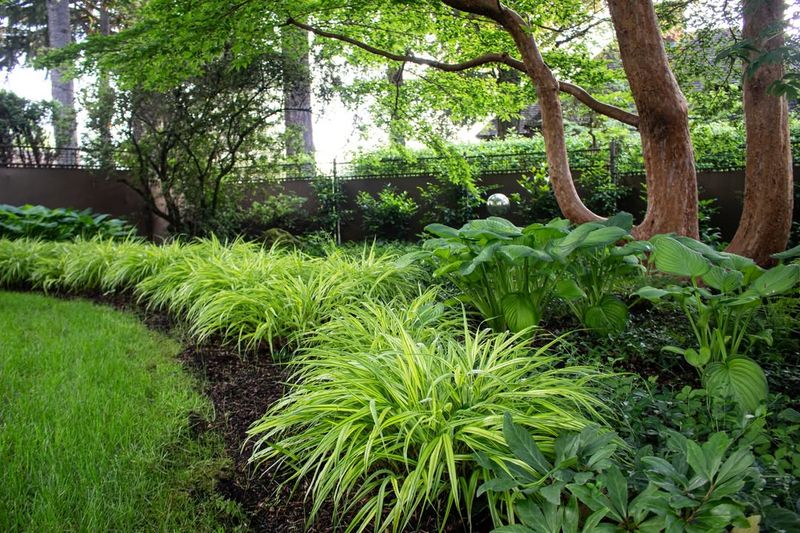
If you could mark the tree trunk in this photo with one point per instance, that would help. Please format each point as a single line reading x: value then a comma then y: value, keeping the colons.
x: 767, y: 212
x: 66, y: 128
x: 394, y: 75
x: 297, y: 92
x: 663, y: 121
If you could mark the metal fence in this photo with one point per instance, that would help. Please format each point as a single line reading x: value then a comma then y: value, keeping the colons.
x: 606, y: 158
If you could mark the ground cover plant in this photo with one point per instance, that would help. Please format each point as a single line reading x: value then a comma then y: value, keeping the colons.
x: 241, y: 292
x: 511, y: 274
x: 395, y: 403
x: 36, y: 221
x: 390, y: 405
x: 95, y: 429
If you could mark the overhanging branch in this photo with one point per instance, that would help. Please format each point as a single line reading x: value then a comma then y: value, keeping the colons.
x: 503, y: 58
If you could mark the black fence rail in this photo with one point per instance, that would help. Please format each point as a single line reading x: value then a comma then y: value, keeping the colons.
x: 22, y: 156
x: 607, y: 158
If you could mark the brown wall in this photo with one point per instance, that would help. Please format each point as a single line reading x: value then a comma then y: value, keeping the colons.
x: 74, y: 188
x: 82, y: 188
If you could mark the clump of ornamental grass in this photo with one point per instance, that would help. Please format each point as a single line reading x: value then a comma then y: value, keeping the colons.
x: 390, y: 406
x: 19, y: 259
x: 135, y: 261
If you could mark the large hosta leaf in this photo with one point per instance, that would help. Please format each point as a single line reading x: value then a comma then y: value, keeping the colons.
x: 777, y: 280
x: 492, y: 228
x: 622, y: 220
x: 672, y: 257
x: 791, y: 253
x: 520, y: 311
x: 440, y: 230
x: 486, y: 255
x: 723, y: 280
x: 610, y: 315
x: 515, y: 252
x: 740, y: 378
x: 603, y: 237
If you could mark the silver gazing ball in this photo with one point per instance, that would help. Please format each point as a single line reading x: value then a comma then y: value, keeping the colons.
x: 498, y: 204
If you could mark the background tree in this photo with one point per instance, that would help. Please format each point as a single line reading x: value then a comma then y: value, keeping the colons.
x: 190, y: 148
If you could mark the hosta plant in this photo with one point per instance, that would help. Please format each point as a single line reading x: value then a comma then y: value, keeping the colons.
x: 39, y: 222
x: 721, y: 297
x: 390, y: 404
x: 690, y: 487
x: 511, y: 274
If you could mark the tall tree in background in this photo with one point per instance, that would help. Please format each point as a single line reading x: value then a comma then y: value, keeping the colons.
x: 297, y: 92
x: 59, y: 32
x: 768, y: 196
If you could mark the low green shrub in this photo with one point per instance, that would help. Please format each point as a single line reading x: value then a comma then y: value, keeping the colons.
x: 39, y: 222
x: 389, y: 215
x: 689, y: 487
x: 389, y: 405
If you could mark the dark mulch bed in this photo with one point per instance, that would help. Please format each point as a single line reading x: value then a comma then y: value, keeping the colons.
x: 242, y: 390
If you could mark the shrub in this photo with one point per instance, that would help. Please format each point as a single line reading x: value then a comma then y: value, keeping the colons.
x: 284, y: 211
x: 388, y: 407
x: 36, y: 221
x: 389, y: 215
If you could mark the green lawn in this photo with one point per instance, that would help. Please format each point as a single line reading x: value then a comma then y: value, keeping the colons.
x: 94, y: 432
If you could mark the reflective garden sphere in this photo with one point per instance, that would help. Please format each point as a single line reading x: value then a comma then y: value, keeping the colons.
x: 498, y: 204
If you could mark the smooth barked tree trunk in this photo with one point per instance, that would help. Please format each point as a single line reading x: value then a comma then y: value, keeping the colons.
x: 768, y: 202
x: 663, y: 121
x: 59, y: 35
x: 297, y: 92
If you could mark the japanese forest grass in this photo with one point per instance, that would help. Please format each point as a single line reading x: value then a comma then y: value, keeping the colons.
x: 239, y: 292
x: 390, y: 405
x: 95, y: 425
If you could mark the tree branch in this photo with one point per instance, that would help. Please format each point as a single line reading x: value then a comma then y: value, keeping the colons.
x: 498, y: 57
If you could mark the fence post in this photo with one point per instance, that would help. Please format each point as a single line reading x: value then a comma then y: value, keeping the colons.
x: 335, y: 197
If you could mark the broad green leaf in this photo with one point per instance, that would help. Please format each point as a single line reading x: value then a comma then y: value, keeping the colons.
x: 622, y: 220
x: 672, y: 257
x: 634, y: 247
x: 567, y: 289
x: 492, y: 228
x: 411, y: 258
x: 610, y: 315
x: 697, y: 358
x: 603, y: 237
x: 723, y: 280
x: 777, y: 280
x: 651, y: 293
x: 523, y: 446
x: 519, y: 311
x: 740, y: 378
x: 486, y: 255
x: 791, y: 253
x: 440, y: 230
x: 515, y: 252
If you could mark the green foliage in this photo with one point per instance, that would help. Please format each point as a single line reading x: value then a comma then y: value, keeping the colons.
x: 724, y: 293
x: 23, y: 124
x: 39, y: 222
x: 238, y: 292
x: 510, y: 274
x: 390, y: 403
x: 283, y: 210
x: 692, y: 487
x: 96, y: 413
x: 330, y: 198
x: 389, y: 215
